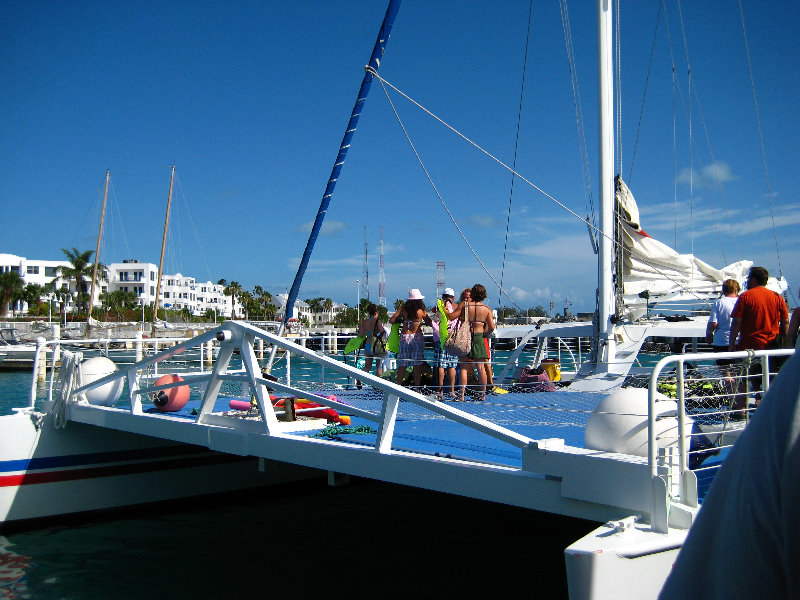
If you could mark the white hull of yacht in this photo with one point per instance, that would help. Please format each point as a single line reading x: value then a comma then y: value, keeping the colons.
x: 45, y: 471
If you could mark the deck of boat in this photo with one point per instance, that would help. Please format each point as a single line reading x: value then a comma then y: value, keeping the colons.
x: 428, y: 450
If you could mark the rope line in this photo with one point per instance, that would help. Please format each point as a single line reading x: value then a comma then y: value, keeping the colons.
x: 516, y: 149
x: 435, y: 189
x: 761, y: 138
x: 385, y: 84
x: 576, y: 97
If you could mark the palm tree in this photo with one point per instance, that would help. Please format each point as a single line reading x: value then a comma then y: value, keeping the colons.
x: 119, y: 300
x: 11, y: 284
x: 32, y: 295
x: 314, y: 304
x: 233, y: 289
x: 80, y: 270
x: 246, y: 298
x: 264, y: 299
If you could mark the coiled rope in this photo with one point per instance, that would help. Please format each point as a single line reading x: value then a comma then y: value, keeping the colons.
x: 69, y: 378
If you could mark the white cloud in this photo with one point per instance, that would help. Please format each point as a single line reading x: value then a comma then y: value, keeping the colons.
x: 560, y: 250
x: 328, y: 227
x: 713, y: 174
x: 485, y: 221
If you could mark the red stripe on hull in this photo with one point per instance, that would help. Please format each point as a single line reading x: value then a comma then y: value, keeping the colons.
x: 116, y: 470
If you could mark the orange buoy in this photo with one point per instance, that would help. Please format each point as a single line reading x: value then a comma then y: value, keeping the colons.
x: 173, y: 399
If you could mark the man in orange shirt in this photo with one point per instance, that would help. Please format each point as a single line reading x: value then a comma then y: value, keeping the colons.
x: 757, y: 319
x: 759, y: 315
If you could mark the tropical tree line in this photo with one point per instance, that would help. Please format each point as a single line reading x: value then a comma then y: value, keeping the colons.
x: 255, y: 304
x: 13, y: 288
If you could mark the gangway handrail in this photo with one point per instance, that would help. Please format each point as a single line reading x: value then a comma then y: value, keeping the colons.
x: 680, y: 360
x: 242, y: 336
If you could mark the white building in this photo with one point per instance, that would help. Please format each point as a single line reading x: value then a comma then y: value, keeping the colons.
x: 41, y: 272
x: 177, y: 291
x: 300, y: 310
x: 325, y: 317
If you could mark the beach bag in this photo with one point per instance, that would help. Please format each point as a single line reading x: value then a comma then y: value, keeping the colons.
x: 534, y: 380
x: 378, y: 341
x: 459, y: 339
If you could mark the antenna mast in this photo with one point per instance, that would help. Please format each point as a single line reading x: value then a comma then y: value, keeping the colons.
x: 365, y: 274
x: 381, y: 276
x: 440, y: 266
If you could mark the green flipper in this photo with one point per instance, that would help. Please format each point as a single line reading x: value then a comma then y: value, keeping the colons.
x: 442, y: 330
x: 354, y: 344
x: 393, y: 343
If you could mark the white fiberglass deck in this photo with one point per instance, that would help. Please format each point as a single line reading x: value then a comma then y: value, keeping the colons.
x: 524, y: 449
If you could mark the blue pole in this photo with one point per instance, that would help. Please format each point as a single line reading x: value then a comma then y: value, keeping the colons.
x: 374, y: 63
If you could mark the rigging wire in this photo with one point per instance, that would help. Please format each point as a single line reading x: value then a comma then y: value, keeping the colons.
x: 761, y: 138
x: 618, y: 86
x: 194, y: 227
x: 684, y: 102
x: 385, y: 84
x: 690, y: 86
x: 516, y: 149
x: 430, y: 179
x: 644, y: 94
x: 576, y: 96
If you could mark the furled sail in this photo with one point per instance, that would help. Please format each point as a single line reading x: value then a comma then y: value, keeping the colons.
x: 651, y: 269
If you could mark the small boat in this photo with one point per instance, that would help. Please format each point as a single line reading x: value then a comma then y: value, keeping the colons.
x: 18, y: 354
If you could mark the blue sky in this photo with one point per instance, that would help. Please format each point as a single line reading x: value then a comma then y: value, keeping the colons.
x: 249, y: 101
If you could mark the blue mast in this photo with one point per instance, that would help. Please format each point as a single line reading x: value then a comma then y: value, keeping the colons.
x: 374, y: 63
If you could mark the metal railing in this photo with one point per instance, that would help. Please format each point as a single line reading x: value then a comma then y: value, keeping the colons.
x: 244, y: 338
x: 715, y: 394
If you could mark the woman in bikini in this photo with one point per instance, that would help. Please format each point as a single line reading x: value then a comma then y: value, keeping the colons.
x: 412, y: 344
x: 370, y: 329
x: 481, y: 322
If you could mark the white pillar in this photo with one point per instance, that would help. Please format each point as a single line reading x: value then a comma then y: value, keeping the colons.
x: 138, y: 345
x: 41, y: 358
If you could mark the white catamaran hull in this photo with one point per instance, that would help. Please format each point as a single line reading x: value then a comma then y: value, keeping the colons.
x: 45, y: 471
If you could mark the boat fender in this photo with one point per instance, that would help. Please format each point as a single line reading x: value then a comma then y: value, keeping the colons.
x: 239, y: 405
x: 96, y: 368
x: 619, y: 423
x: 173, y: 399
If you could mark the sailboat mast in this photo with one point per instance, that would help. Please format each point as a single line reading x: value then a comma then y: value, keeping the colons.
x: 161, y: 260
x: 97, y: 251
x: 374, y: 63
x: 605, y: 348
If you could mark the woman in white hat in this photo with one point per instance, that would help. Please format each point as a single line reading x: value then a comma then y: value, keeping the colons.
x: 444, y: 362
x: 412, y: 344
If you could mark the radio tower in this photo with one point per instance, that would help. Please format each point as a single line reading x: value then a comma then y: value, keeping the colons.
x: 439, y: 278
x: 381, y: 276
x: 365, y: 274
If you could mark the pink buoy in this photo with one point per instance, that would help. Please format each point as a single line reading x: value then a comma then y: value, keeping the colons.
x: 239, y: 405
x: 173, y: 399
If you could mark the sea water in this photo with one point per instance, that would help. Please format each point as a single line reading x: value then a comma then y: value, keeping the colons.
x: 363, y: 539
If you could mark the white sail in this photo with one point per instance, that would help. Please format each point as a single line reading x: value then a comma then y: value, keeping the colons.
x: 653, y: 267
